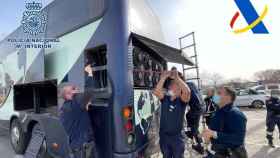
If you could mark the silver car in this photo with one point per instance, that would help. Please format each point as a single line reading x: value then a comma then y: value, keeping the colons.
x: 251, y: 98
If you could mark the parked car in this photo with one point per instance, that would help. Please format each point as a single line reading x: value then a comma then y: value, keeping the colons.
x: 266, y: 88
x: 251, y: 98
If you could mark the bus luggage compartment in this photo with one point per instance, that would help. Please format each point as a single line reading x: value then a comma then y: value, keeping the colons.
x: 35, y: 96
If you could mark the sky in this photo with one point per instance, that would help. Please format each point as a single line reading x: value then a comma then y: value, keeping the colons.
x: 219, y: 49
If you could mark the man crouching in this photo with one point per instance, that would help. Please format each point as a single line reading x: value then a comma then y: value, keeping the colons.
x: 173, y: 107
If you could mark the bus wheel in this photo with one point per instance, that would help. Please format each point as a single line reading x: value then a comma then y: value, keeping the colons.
x: 18, y: 138
x: 43, y: 152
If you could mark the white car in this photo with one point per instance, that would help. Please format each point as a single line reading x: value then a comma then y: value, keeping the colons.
x: 250, y: 98
x: 266, y: 88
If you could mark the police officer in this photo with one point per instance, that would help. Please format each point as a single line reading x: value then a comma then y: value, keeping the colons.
x: 273, y: 115
x: 211, y: 106
x: 193, y: 116
x: 227, y: 128
x: 173, y: 105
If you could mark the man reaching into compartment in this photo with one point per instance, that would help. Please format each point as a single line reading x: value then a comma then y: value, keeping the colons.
x: 172, y: 114
x: 75, y: 118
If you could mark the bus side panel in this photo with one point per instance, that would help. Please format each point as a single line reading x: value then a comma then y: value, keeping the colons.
x: 113, y: 32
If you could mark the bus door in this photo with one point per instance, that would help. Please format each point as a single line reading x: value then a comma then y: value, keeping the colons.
x: 100, y: 111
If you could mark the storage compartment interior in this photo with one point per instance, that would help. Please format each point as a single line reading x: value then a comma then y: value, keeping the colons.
x: 147, y: 66
x: 97, y: 58
x: 37, y: 95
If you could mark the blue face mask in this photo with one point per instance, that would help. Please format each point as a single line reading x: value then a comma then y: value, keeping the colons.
x: 216, y: 99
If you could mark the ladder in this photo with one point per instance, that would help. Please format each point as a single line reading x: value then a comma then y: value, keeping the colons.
x: 191, y: 45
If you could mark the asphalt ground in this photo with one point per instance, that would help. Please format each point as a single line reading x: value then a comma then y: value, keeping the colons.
x: 256, y: 143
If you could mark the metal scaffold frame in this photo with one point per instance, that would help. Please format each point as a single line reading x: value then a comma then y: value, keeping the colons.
x: 193, y: 56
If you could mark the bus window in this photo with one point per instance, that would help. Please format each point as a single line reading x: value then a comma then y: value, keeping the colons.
x: 98, y: 60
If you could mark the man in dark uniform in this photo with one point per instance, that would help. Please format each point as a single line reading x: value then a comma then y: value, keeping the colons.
x: 75, y: 118
x: 227, y: 128
x: 193, y: 117
x: 211, y: 106
x: 273, y: 115
x: 173, y: 107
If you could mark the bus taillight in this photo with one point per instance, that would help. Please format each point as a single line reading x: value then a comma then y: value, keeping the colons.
x: 129, y: 126
x: 127, y: 114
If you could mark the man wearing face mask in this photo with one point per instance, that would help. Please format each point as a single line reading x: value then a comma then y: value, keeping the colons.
x: 273, y: 115
x: 227, y: 128
x: 173, y: 105
x: 211, y: 106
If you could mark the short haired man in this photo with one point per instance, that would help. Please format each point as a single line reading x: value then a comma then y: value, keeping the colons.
x: 75, y: 118
x: 227, y: 128
x: 172, y: 114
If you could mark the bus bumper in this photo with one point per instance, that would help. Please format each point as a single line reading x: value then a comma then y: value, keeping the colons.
x: 128, y: 155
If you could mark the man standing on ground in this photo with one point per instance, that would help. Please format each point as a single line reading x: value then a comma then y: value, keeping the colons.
x: 75, y: 118
x: 211, y: 106
x: 273, y: 116
x: 193, y: 117
x: 173, y: 107
x: 227, y: 128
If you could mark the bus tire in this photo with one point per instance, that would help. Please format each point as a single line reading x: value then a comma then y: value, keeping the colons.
x: 18, y: 138
x: 43, y: 152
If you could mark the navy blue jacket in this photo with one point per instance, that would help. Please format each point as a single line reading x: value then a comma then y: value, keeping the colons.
x: 76, y: 122
x: 196, y: 103
x: 230, y: 124
x: 273, y: 106
x: 75, y: 117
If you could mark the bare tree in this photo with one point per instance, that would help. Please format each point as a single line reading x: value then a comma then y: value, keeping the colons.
x: 268, y: 76
x: 211, y: 79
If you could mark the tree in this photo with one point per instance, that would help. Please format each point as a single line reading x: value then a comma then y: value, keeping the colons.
x: 212, y: 79
x: 268, y: 76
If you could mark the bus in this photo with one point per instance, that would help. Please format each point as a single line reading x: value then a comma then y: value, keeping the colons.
x: 122, y: 40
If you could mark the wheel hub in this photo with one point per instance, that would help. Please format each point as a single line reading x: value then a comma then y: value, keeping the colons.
x: 15, y: 135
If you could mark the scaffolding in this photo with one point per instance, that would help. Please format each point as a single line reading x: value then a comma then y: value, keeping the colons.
x: 188, y: 42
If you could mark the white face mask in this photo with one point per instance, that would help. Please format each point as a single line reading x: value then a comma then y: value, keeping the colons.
x: 171, y: 93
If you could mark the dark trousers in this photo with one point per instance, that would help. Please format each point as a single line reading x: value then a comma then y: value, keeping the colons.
x: 88, y: 150
x: 172, y: 146
x: 193, y: 125
x: 271, y: 122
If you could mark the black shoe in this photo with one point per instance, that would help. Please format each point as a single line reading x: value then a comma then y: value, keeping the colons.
x: 198, y: 148
x: 270, y: 143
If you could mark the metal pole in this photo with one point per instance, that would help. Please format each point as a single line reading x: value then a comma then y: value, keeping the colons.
x: 196, y: 63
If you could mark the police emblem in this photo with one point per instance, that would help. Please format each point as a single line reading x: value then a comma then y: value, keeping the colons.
x: 34, y: 20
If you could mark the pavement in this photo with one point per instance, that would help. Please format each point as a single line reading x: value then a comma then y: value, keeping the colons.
x: 255, y: 140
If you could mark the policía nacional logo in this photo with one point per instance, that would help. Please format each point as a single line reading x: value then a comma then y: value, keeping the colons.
x: 254, y: 20
x: 34, y: 20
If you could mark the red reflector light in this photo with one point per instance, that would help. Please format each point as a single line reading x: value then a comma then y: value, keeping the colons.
x: 128, y: 126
